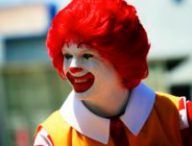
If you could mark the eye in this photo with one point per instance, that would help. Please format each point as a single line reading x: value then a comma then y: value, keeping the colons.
x: 67, y: 56
x: 87, y: 56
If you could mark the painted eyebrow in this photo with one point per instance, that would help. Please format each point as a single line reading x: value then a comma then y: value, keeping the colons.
x: 64, y: 50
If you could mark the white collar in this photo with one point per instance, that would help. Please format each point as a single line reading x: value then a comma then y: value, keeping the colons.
x: 137, y: 111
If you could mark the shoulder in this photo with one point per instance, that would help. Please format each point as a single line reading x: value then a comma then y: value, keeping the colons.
x: 168, y: 99
x: 167, y: 105
x: 52, y: 130
x: 166, y: 108
x: 178, y: 106
x: 55, y: 119
x: 42, y: 138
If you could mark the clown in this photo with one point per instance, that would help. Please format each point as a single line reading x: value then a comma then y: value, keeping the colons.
x: 101, y: 47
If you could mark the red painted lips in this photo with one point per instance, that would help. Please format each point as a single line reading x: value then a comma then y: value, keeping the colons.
x: 81, y: 84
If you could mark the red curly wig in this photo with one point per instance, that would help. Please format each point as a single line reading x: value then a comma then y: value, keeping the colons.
x: 111, y: 27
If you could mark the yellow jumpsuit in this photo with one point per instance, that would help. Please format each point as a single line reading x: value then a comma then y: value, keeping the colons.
x: 162, y: 128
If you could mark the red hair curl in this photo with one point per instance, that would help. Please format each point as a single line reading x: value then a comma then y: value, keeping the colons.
x: 111, y: 27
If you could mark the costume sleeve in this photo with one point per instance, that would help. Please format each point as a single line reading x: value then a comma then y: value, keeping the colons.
x: 42, y: 138
x: 185, y: 111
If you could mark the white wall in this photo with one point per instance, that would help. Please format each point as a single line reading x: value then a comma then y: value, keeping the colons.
x: 168, y: 25
x: 24, y: 20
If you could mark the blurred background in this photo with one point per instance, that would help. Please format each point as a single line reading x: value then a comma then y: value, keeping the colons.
x: 30, y: 89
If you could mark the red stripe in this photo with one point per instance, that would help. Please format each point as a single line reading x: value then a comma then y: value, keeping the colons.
x: 49, y: 137
x: 37, y: 131
x: 181, y: 104
x: 189, y: 112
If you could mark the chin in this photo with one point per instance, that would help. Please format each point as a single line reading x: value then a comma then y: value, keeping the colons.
x: 84, y: 95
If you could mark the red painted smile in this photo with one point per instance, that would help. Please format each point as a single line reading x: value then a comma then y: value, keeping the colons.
x: 81, y: 84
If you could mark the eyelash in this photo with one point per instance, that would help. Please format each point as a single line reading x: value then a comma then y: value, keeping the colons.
x: 68, y: 56
x: 86, y: 56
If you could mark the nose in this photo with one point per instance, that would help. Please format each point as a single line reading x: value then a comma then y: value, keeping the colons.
x: 75, y: 69
x: 75, y: 66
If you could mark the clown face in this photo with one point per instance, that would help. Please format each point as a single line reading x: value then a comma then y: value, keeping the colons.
x: 89, y: 74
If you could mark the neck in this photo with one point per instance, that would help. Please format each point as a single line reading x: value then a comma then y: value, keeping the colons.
x: 108, y: 105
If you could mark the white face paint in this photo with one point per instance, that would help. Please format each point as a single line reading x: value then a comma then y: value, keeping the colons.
x: 90, y: 75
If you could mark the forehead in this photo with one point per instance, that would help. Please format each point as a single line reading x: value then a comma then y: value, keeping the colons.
x: 75, y: 49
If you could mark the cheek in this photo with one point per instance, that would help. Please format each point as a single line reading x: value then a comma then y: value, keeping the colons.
x: 106, y: 72
x: 66, y: 65
x: 91, y: 65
